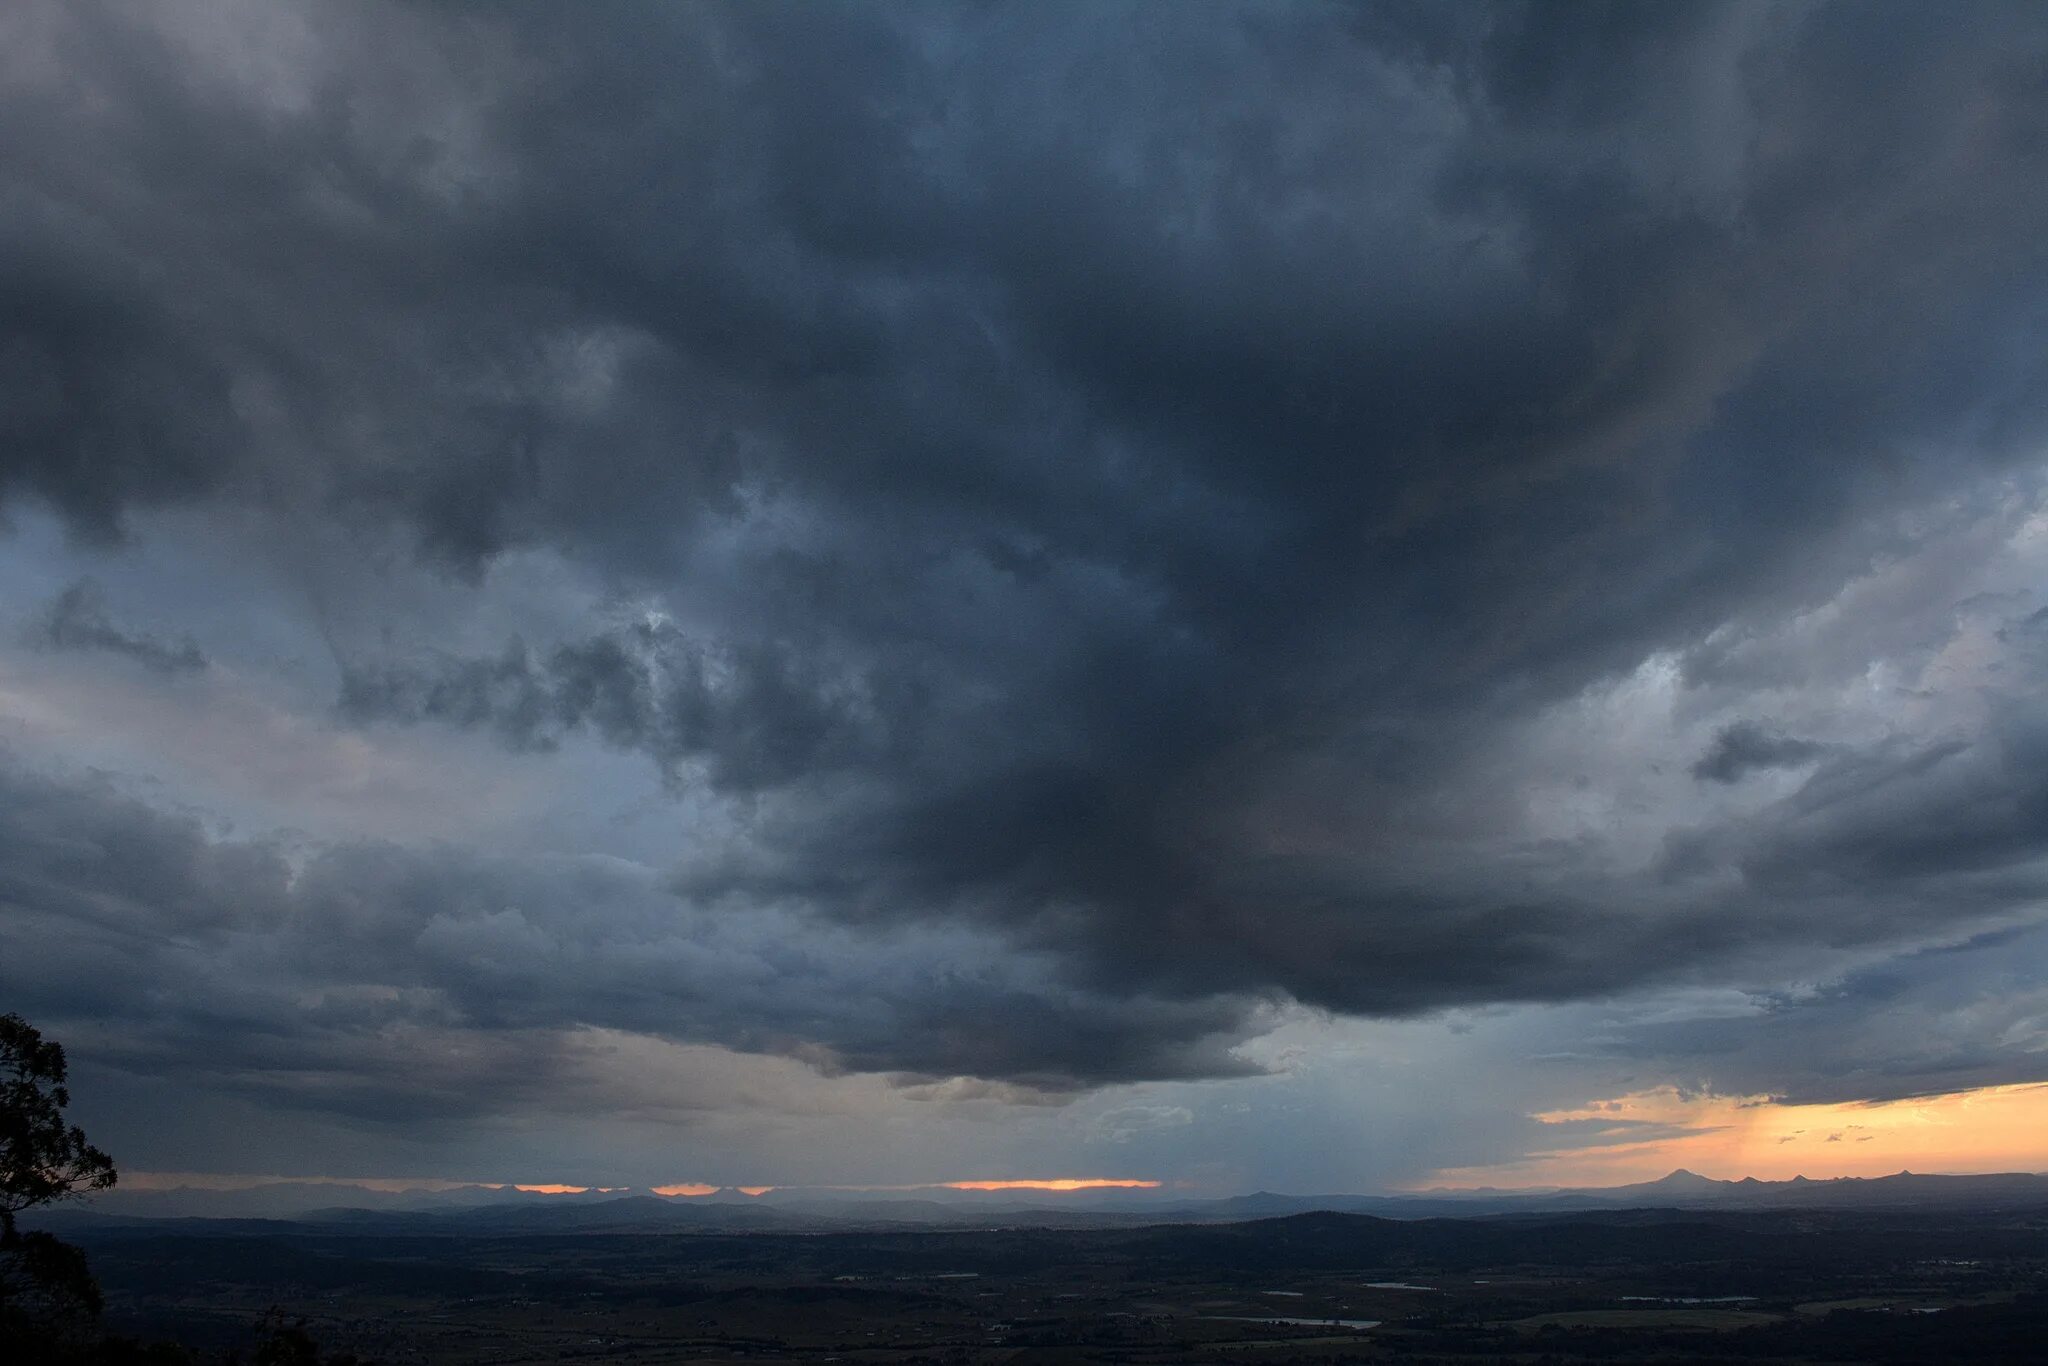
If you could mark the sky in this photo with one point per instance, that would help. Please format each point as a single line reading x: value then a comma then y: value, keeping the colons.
x: 1308, y: 596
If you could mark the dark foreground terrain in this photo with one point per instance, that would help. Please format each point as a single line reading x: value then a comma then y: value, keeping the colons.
x: 1642, y: 1285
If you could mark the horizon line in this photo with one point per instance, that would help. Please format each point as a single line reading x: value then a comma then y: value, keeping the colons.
x: 153, y: 1182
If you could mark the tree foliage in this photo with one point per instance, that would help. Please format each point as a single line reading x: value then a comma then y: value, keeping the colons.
x: 46, y: 1291
x: 41, y: 1157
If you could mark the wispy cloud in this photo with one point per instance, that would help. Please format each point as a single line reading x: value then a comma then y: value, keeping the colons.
x: 77, y: 619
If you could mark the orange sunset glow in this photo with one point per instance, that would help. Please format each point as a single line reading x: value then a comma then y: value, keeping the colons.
x: 1994, y: 1129
x: 689, y: 1189
x: 1061, y: 1184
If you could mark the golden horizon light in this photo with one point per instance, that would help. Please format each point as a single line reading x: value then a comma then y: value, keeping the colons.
x: 1087, y: 1183
x: 1644, y: 1135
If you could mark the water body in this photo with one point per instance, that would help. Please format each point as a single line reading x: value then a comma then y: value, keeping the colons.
x: 1687, y: 1299
x: 1401, y: 1285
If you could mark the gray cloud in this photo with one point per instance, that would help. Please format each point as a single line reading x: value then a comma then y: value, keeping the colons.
x: 77, y: 620
x: 760, y: 715
x: 1116, y: 487
x: 1742, y: 747
x: 1931, y: 1022
x: 312, y: 975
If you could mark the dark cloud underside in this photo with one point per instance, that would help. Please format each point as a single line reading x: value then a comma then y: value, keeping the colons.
x: 1114, y: 484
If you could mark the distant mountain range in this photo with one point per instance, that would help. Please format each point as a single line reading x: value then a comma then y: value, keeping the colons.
x: 1680, y: 1189
x: 478, y: 1210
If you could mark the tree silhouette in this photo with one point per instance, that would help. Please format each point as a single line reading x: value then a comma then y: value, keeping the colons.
x: 48, y: 1298
x: 45, y: 1288
x: 41, y: 1158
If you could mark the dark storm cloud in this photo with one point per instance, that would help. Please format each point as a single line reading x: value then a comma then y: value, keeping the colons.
x: 332, y: 983
x: 1743, y: 747
x: 105, y: 403
x: 759, y: 716
x: 1118, y: 473
x: 77, y: 619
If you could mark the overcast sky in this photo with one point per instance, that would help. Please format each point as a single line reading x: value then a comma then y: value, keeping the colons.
x: 1286, y: 595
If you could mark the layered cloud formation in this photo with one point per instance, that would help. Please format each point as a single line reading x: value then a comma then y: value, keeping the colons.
x: 1017, y: 549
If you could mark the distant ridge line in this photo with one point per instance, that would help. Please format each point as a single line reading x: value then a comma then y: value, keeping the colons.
x: 330, y: 1204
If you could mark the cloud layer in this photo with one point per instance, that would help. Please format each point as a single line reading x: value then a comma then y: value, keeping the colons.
x: 1103, y: 524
